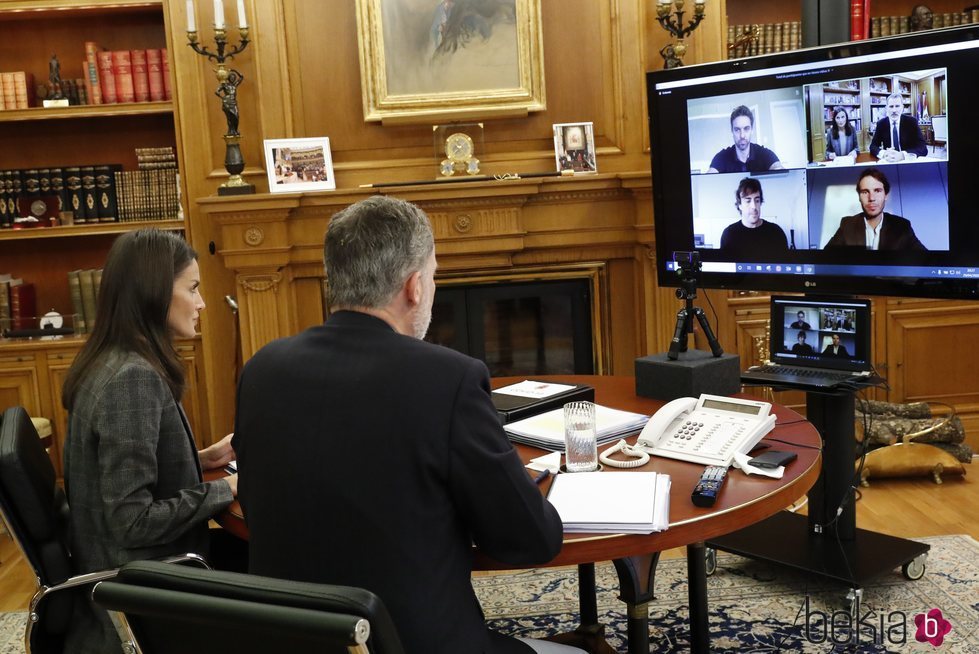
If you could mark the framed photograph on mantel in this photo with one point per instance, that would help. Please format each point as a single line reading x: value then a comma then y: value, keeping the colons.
x: 295, y: 165
x: 574, y: 147
x: 431, y: 61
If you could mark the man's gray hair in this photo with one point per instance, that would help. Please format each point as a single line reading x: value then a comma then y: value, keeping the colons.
x: 371, y: 248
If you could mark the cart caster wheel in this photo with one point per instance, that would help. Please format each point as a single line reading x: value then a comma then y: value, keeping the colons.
x: 851, y: 603
x: 710, y: 556
x: 914, y: 569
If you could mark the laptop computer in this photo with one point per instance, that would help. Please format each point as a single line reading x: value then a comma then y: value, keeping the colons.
x: 816, y: 343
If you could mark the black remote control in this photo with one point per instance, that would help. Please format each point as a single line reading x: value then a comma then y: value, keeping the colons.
x: 706, y: 491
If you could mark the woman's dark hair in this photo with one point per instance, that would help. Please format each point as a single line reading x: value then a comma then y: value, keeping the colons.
x: 133, y: 303
x: 848, y: 129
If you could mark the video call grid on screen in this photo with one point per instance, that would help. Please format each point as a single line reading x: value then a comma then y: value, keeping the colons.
x: 806, y: 194
x: 820, y: 319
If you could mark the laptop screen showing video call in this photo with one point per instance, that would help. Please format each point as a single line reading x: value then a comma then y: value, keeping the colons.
x: 773, y: 171
x: 821, y: 332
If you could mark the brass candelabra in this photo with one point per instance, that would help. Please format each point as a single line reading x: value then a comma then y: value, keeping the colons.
x: 227, y: 91
x: 670, y: 17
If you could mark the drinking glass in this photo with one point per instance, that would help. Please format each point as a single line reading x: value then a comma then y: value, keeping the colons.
x: 581, y: 449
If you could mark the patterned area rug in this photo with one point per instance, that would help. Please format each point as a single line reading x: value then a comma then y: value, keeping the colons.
x: 754, y: 607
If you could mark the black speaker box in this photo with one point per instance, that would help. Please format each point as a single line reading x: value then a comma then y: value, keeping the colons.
x: 694, y: 373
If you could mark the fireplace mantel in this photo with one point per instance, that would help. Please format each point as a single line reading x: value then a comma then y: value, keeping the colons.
x: 273, y: 244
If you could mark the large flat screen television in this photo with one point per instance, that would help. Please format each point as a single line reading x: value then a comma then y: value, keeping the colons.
x: 843, y: 169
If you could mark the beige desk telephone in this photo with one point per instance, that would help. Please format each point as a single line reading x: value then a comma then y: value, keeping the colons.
x: 709, y: 429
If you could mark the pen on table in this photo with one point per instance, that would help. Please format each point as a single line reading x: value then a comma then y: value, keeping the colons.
x: 542, y: 476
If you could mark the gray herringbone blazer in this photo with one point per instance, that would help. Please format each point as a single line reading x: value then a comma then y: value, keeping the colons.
x: 133, y: 479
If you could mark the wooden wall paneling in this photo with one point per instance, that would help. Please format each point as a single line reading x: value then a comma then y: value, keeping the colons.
x: 933, y: 352
x: 200, y: 125
x: 274, y: 77
x: 56, y: 370
x: 194, y: 401
x: 628, y: 313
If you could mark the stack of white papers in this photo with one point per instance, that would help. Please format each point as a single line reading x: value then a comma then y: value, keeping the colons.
x: 546, y: 430
x: 615, y: 502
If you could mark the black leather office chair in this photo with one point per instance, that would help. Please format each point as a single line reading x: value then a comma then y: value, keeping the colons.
x: 35, y: 511
x: 180, y: 609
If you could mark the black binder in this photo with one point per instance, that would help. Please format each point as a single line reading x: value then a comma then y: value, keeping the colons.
x: 515, y: 407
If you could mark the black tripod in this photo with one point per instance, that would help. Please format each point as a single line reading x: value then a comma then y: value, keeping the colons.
x: 684, y: 320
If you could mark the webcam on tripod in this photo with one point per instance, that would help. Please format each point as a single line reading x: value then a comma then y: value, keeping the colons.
x: 688, y: 267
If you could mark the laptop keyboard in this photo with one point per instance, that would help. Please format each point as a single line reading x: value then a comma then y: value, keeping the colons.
x: 805, y: 372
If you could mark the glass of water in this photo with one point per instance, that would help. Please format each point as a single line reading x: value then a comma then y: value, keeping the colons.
x: 581, y: 449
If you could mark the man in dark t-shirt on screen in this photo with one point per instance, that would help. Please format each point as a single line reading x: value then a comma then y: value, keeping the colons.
x: 752, y: 235
x: 744, y: 156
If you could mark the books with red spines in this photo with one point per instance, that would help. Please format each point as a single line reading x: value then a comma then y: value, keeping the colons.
x: 866, y: 19
x: 90, y: 67
x: 122, y: 68
x: 141, y: 82
x: 165, y: 61
x: 23, y: 306
x: 107, y: 78
x: 154, y: 74
x: 856, y: 21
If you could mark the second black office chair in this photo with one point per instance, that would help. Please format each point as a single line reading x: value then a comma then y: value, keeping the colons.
x: 179, y: 609
x: 35, y: 510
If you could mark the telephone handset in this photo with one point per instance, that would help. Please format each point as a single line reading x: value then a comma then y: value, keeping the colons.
x: 708, y: 430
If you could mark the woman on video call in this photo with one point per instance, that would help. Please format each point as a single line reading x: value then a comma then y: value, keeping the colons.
x: 841, y: 138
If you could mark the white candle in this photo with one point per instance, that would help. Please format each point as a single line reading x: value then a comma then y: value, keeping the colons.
x: 241, y: 14
x: 191, y: 23
x: 218, y: 14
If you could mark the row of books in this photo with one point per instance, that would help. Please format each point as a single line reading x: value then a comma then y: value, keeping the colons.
x: 16, y: 90
x: 890, y: 25
x: 747, y: 40
x: 758, y: 39
x: 41, y: 197
x: 83, y: 288
x: 126, y: 75
x: 18, y: 304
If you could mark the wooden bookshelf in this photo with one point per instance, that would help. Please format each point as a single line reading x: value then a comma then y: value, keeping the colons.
x: 31, y: 371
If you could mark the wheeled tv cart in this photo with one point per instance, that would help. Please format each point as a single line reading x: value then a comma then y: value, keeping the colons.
x: 824, y: 544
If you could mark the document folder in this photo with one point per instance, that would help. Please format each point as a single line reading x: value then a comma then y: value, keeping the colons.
x: 530, y: 397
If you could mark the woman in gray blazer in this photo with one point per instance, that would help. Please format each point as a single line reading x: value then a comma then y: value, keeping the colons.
x: 133, y: 473
x: 841, y: 138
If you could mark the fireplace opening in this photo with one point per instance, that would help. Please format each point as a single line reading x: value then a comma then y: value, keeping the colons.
x: 518, y: 328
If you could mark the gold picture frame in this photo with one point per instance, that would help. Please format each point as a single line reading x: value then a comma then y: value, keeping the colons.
x: 424, y: 61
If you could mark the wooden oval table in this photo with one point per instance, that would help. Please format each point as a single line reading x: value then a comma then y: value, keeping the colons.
x: 744, y: 500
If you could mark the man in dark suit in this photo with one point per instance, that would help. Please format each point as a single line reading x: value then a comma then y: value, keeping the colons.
x: 873, y: 228
x: 909, y: 142
x: 406, y: 464
x: 836, y: 349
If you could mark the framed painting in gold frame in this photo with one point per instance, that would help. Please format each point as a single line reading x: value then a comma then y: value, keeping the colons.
x: 429, y: 61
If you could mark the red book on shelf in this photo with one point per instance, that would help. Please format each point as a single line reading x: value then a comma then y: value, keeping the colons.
x: 107, y: 79
x: 23, y: 306
x: 154, y: 74
x: 866, y: 19
x: 856, y: 20
x: 122, y: 68
x: 141, y: 81
x: 165, y: 60
x: 91, y: 70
